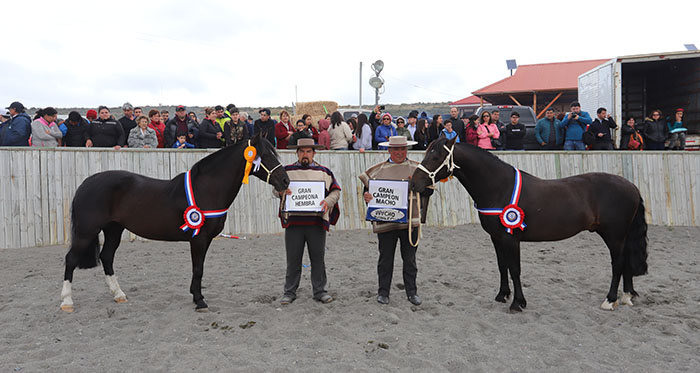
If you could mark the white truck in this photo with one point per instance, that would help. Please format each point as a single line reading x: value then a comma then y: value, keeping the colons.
x: 633, y: 86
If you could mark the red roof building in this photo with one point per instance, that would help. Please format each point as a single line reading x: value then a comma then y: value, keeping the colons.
x: 539, y: 86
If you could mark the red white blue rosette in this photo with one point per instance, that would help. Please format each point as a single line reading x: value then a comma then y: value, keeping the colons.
x: 512, y: 217
x: 194, y: 219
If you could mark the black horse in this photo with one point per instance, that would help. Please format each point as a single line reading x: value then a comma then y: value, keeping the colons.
x: 112, y: 201
x: 551, y: 209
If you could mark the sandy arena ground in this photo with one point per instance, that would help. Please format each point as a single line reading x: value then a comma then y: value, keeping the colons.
x: 458, y: 328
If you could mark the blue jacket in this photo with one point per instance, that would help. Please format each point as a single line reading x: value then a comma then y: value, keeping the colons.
x: 382, y: 132
x: 576, y: 128
x: 16, y: 131
x: 177, y: 144
x: 542, y: 131
x: 450, y: 135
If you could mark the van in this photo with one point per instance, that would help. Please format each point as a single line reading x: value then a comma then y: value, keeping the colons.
x: 348, y: 112
x: 527, y: 117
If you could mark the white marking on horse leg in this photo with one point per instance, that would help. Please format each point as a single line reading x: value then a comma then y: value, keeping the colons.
x: 66, y: 297
x: 117, y: 292
x: 608, y: 306
x: 626, y: 299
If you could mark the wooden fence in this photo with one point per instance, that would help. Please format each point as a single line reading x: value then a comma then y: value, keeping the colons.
x: 37, y: 186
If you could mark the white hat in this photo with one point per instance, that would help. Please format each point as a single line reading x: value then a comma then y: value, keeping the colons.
x: 397, y: 142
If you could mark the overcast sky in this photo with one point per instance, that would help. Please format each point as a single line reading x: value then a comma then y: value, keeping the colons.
x: 254, y: 53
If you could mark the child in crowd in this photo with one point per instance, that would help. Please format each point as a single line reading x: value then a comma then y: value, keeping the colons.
x: 181, y: 142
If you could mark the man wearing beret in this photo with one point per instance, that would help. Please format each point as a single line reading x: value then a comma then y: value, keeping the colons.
x: 308, y: 228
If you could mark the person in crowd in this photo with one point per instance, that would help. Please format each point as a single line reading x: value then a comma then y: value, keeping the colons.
x: 92, y: 115
x: 601, y: 130
x: 210, y: 133
x: 486, y: 131
x: 308, y: 120
x: 138, y: 111
x: 193, y: 116
x: 324, y: 137
x: 385, y: 131
x: 181, y: 142
x: 128, y: 121
x: 457, y: 124
x: 515, y: 132
x: 575, y: 124
x: 375, y: 121
x: 245, y: 117
x: 398, y: 168
x: 470, y: 130
x: 222, y: 120
x: 655, y: 131
x: 548, y: 132
x: 675, y: 127
x: 164, y: 116
x: 495, y: 118
x: 45, y: 131
x: 239, y: 128
x: 143, y: 136
x: 352, y: 123
x: 340, y: 133
x: 401, y: 129
x: 363, y: 134
x: 158, y: 126
x: 283, y: 130
x: 305, y: 229
x: 300, y: 133
x: 4, y: 115
x: 17, y: 130
x: 105, y: 131
x: 448, y: 132
x: 435, y: 128
x: 180, y: 123
x: 266, y: 125
x: 411, y: 123
x: 421, y: 135
x: 631, y: 138
x: 75, y: 130
x: 229, y: 110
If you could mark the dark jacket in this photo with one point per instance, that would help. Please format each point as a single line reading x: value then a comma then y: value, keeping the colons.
x: 514, y: 136
x: 655, y: 130
x: 603, y: 127
x: 127, y: 125
x: 299, y: 135
x: 267, y: 128
x: 542, y: 131
x: 239, y: 131
x: 170, y: 132
x: 16, y: 131
x: 627, y: 132
x: 76, y: 135
x: 105, y: 133
x: 207, y: 134
x: 422, y: 139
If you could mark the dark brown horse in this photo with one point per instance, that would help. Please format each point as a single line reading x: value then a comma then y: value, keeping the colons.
x: 552, y: 209
x: 112, y: 201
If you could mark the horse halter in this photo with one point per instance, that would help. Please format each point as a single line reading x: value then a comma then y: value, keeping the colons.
x: 448, y: 162
x: 258, y: 163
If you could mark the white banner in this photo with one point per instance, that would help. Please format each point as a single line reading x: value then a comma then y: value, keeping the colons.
x: 389, y: 201
x: 306, y: 196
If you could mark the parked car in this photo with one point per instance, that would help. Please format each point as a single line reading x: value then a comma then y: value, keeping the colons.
x: 348, y: 112
x: 527, y: 117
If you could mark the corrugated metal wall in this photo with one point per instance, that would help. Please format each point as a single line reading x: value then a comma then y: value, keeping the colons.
x: 37, y: 186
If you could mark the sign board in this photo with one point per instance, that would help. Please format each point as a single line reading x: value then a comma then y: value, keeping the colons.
x: 306, y: 196
x: 389, y: 201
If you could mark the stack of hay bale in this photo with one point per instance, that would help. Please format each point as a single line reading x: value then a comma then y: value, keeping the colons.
x: 315, y: 109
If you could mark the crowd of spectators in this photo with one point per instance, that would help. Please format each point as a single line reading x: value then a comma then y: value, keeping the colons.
x: 220, y: 127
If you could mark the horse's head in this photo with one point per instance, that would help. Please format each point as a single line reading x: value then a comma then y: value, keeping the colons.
x: 437, y: 164
x: 270, y: 170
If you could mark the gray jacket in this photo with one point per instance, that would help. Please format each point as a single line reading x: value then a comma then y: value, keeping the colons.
x: 138, y: 139
x: 42, y: 139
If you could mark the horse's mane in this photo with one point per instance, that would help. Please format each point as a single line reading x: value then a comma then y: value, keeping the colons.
x: 215, y: 159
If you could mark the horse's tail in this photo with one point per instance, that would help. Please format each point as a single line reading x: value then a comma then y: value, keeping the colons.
x: 86, y: 251
x: 636, y: 243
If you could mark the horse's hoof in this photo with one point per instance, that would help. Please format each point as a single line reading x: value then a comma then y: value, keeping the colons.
x: 67, y: 308
x: 203, y: 310
x: 626, y: 299
x: 608, y: 306
x: 501, y: 297
x: 120, y: 300
x: 515, y: 308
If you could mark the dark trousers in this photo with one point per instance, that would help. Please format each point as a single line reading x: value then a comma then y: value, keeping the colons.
x: 385, y: 266
x: 654, y: 145
x: 295, y: 238
x: 602, y: 145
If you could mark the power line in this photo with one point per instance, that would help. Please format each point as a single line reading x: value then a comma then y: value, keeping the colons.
x: 417, y: 86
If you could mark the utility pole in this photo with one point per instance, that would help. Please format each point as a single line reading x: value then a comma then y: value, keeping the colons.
x: 360, y: 84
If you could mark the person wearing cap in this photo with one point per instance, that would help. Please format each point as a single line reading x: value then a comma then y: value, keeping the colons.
x: 575, y: 124
x: 411, y: 122
x: 398, y: 168
x: 547, y: 131
x: 45, y: 131
x: 74, y: 130
x: 105, y: 131
x: 515, y: 132
x: 677, y: 131
x: 384, y: 131
x: 308, y: 229
x: 457, y: 124
x: 128, y: 121
x: 4, y: 115
x: 266, y: 126
x: 180, y: 123
x: 16, y: 131
x: 91, y: 115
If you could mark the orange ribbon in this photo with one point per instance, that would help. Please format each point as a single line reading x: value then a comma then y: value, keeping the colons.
x: 249, y: 154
